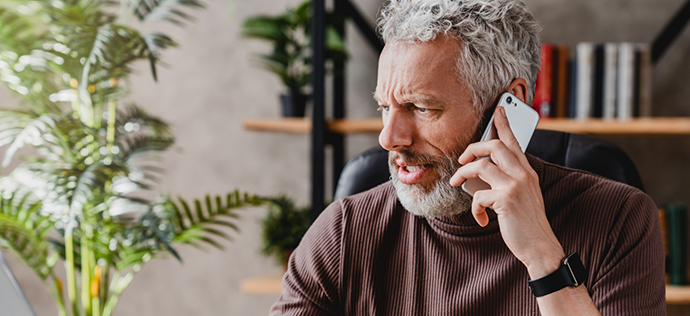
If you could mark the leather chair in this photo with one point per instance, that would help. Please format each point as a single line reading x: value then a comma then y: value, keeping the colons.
x: 576, y: 151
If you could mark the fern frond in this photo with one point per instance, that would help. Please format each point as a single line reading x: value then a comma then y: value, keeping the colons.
x: 89, y: 184
x: 56, y: 136
x: 197, y: 226
x: 22, y: 231
x: 165, y: 10
x: 17, y: 32
x: 30, y: 134
x: 131, y: 113
x: 12, y: 122
x: 130, y: 146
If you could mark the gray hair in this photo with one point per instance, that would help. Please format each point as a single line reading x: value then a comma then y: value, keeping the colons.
x: 499, y: 38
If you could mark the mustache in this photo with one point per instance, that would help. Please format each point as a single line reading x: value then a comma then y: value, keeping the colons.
x: 445, y: 165
x: 411, y: 158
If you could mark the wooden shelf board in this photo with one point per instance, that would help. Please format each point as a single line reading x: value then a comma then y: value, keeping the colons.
x: 263, y: 285
x: 285, y: 125
x: 303, y: 125
x: 676, y: 295
x: 350, y: 126
x: 640, y: 126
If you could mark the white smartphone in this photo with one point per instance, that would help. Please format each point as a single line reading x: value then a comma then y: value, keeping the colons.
x: 523, y: 120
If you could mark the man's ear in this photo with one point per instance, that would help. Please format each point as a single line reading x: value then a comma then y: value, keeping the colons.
x: 519, y: 89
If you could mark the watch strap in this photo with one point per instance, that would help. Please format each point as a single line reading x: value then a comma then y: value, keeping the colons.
x: 571, y: 273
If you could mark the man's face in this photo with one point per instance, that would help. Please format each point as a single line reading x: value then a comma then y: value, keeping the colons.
x: 428, y: 122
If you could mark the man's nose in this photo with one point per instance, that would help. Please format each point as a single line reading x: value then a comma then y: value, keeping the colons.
x: 397, y: 131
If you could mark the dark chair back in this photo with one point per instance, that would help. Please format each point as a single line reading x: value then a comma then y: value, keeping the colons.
x: 595, y: 155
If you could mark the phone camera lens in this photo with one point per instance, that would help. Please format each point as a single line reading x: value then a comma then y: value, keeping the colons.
x: 509, y: 99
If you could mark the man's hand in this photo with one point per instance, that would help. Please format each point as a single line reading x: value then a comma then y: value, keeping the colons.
x: 515, y: 196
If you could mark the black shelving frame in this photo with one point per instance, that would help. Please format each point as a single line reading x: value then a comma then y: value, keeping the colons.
x: 320, y: 136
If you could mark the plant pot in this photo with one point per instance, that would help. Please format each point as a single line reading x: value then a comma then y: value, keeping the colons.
x: 293, y: 104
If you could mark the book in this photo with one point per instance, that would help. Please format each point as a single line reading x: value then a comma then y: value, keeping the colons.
x: 585, y: 64
x: 626, y: 81
x: 572, y: 88
x: 543, y: 88
x: 609, y: 78
x: 561, y: 55
x: 598, y: 81
x: 664, y: 235
x: 644, y: 79
x: 677, y: 219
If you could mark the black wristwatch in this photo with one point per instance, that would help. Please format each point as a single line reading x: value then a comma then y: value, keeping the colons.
x: 570, y: 273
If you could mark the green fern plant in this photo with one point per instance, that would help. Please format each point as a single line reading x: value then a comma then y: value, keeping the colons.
x: 283, y: 227
x: 74, y: 198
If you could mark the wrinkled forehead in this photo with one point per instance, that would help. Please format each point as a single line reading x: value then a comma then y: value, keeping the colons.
x: 414, y: 63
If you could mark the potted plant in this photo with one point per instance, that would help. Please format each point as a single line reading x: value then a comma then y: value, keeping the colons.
x: 76, y: 197
x: 283, y: 228
x: 290, y: 59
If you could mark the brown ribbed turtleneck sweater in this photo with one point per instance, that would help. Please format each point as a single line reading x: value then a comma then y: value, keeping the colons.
x: 366, y: 255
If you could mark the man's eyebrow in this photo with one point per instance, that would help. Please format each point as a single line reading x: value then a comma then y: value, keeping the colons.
x: 423, y: 99
x: 416, y: 99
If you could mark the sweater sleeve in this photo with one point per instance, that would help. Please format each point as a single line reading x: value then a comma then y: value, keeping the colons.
x: 630, y: 280
x: 312, y: 282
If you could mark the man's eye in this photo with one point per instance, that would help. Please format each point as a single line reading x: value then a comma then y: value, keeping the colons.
x: 423, y: 110
x: 383, y: 108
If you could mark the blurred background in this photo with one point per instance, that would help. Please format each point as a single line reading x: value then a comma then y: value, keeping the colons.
x: 210, y: 85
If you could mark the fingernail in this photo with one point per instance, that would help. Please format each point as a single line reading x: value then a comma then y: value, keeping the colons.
x: 503, y: 111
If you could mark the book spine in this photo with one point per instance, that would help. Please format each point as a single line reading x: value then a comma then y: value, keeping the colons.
x: 636, y: 84
x: 561, y: 57
x: 598, y: 82
x: 664, y: 234
x: 610, y: 75
x: 543, y: 90
x: 645, y: 79
x: 572, y: 88
x: 677, y: 240
x: 626, y: 74
x: 585, y: 60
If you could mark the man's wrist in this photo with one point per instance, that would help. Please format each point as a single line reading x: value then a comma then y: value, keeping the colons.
x: 544, y: 264
x: 571, y: 273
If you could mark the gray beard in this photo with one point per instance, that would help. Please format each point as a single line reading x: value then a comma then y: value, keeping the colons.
x: 442, y: 199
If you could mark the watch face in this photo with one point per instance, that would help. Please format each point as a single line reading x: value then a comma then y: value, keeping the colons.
x: 576, y: 268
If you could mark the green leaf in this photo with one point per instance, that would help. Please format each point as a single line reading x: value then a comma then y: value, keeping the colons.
x: 201, y: 228
x: 199, y: 211
x: 266, y: 28
x: 187, y: 211
x: 230, y: 225
x: 27, y: 243
x: 165, y: 10
x: 283, y: 227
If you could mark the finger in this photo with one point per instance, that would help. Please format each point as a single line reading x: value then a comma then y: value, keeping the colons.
x: 492, y: 148
x: 483, y: 169
x: 499, y: 153
x: 479, y: 206
x: 505, y: 134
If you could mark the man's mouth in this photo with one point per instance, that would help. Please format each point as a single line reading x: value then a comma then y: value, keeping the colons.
x: 411, y: 173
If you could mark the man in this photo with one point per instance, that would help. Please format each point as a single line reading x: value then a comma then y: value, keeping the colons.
x: 420, y: 245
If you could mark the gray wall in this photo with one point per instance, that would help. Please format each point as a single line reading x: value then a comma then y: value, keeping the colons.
x: 210, y: 86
